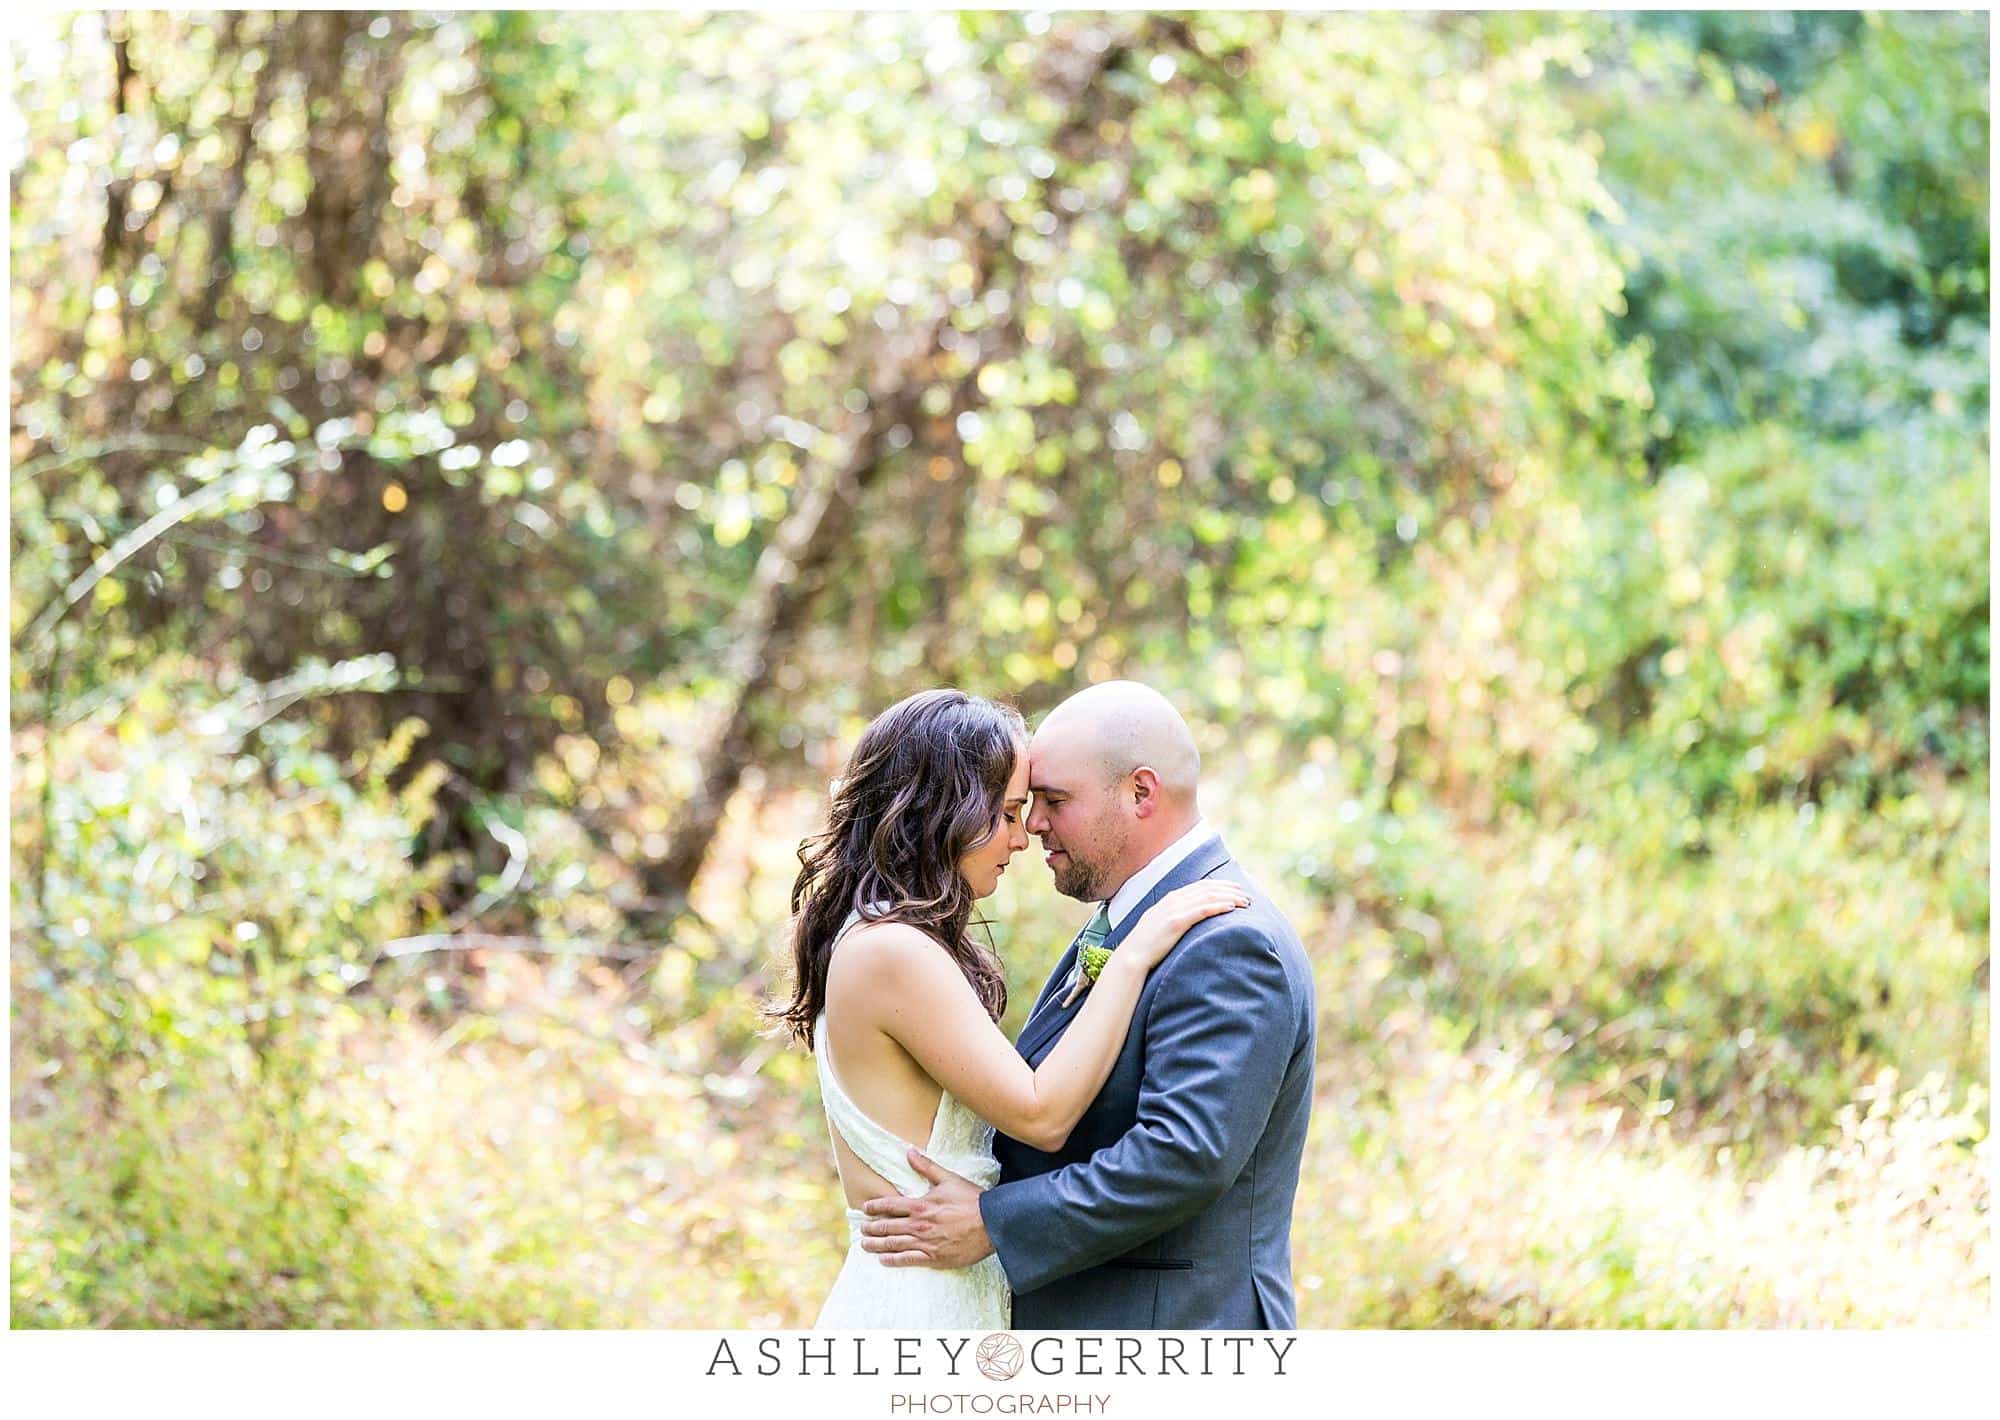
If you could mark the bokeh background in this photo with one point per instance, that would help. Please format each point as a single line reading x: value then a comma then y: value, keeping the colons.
x: 474, y: 474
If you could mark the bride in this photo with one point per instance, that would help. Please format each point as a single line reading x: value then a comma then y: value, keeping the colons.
x: 903, y: 1016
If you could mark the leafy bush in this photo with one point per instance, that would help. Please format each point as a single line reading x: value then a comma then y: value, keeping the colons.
x: 1789, y: 617
x: 207, y: 890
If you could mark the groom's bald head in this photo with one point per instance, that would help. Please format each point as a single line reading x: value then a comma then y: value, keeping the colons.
x: 1125, y: 726
x: 1114, y: 770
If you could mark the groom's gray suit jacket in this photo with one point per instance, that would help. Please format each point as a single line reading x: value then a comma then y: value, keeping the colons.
x: 1170, y: 1206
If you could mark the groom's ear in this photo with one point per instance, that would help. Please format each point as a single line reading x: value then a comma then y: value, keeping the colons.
x: 1145, y: 791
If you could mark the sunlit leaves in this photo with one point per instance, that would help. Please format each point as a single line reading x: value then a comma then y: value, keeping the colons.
x: 1520, y: 438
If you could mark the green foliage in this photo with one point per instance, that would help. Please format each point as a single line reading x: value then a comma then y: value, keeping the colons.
x: 1788, y: 618
x: 207, y: 889
x: 1544, y: 454
x: 1810, y: 244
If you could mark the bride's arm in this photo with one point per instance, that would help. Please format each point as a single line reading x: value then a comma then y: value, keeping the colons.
x: 921, y: 1000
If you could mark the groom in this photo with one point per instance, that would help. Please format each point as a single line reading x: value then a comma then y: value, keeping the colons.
x: 1170, y: 1205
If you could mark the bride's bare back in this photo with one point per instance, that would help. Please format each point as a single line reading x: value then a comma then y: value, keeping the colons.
x: 877, y: 1073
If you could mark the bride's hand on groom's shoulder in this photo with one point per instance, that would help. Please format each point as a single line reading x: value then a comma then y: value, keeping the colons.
x: 943, y: 1228
x: 1164, y: 923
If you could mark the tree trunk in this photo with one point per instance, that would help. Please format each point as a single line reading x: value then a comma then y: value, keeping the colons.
x: 793, y: 568
x: 789, y: 577
x: 342, y: 148
x: 118, y: 188
x: 220, y: 254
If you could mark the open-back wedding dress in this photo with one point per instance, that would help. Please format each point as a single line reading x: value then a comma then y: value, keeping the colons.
x: 868, y: 1294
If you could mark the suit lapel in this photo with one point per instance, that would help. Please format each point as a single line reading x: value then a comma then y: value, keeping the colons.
x: 1054, y: 986
x: 1049, y: 1017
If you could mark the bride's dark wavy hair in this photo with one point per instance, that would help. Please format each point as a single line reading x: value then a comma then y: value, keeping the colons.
x: 924, y: 787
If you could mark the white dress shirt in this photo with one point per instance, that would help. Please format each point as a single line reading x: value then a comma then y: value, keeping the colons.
x: 1163, y: 862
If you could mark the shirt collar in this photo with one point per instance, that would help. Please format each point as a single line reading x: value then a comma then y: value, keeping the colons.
x: 1165, y: 861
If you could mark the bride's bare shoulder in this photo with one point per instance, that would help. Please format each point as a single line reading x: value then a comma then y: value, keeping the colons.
x: 878, y: 954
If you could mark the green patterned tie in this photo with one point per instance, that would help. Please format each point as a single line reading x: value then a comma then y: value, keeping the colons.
x: 1093, y: 934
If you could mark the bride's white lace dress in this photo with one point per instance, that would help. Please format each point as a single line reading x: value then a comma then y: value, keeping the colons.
x: 868, y: 1294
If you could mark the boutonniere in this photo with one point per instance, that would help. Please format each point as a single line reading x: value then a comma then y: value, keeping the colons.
x: 1089, y: 962
x: 1093, y: 959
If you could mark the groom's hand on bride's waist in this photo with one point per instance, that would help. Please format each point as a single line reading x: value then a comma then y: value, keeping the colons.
x: 941, y: 1229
